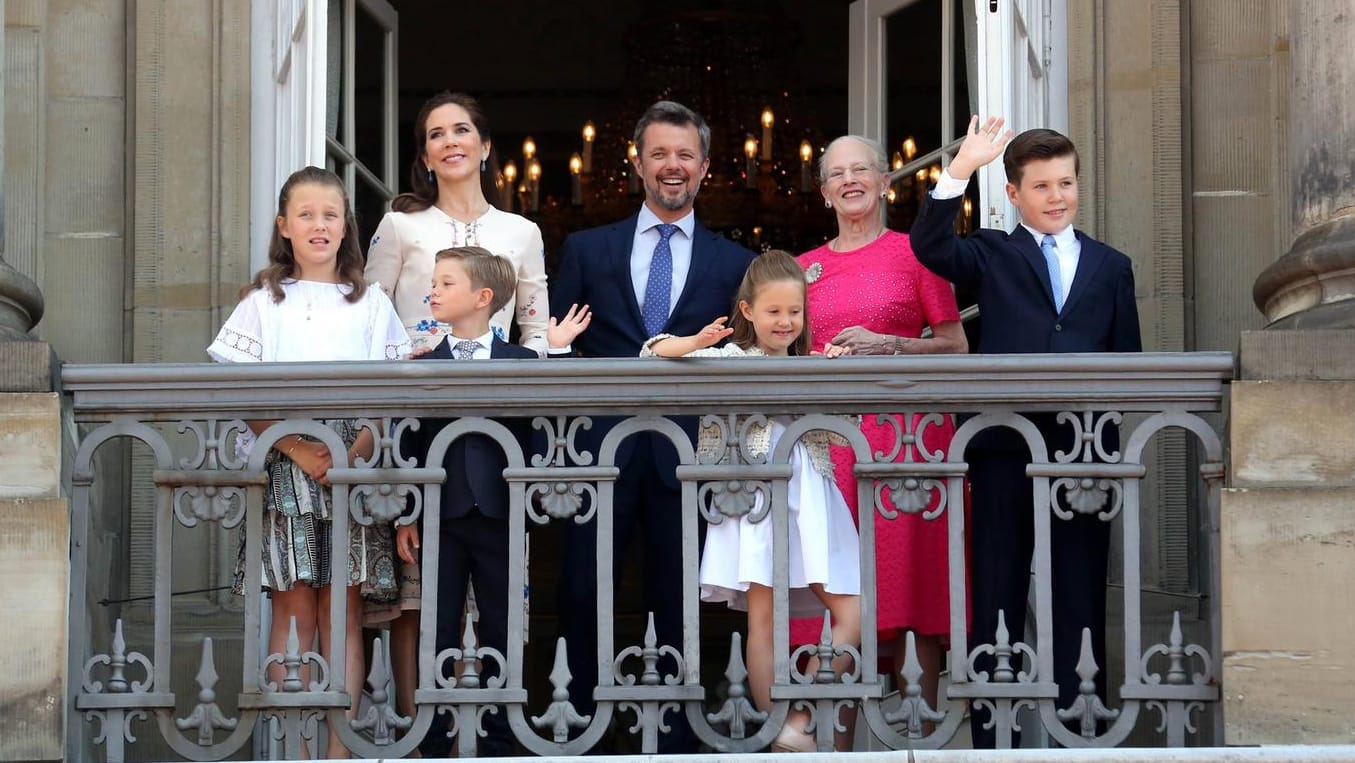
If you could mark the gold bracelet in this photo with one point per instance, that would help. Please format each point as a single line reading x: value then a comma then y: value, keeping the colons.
x: 288, y: 452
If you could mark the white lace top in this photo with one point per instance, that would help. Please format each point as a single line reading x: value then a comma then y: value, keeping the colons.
x: 313, y: 322
x: 710, y: 444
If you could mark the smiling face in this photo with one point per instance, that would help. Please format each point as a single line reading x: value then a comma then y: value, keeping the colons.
x: 670, y: 163
x: 1046, y: 195
x: 777, y: 314
x: 852, y: 182
x: 453, y: 298
x: 314, y: 225
x: 452, y: 146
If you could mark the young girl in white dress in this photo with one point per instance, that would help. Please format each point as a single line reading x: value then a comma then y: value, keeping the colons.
x: 311, y: 302
x: 736, y: 566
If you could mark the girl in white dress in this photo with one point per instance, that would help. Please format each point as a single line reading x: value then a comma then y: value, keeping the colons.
x: 736, y: 566
x: 311, y: 302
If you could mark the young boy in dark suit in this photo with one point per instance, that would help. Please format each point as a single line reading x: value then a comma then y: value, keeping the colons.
x: 470, y: 284
x: 1042, y: 287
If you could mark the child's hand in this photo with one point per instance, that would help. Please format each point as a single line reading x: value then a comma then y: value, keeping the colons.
x: 561, y: 334
x: 407, y: 543
x: 714, y: 331
x: 981, y: 146
x: 313, y: 458
x: 832, y: 350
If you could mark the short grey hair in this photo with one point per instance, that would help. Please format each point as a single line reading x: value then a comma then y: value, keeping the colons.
x: 876, y: 150
x: 673, y: 113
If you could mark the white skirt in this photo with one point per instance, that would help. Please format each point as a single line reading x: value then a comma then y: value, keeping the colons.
x: 824, y: 547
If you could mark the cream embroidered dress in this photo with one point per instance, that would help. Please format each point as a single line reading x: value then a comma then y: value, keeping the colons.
x: 405, y: 245
x: 314, y: 322
x: 824, y: 547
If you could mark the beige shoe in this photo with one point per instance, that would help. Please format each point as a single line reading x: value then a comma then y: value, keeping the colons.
x: 792, y: 739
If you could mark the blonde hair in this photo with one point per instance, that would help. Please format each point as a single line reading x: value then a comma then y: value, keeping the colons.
x: 486, y: 270
x: 768, y: 267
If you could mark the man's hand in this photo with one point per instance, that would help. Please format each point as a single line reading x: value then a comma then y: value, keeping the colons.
x: 562, y: 333
x: 981, y: 146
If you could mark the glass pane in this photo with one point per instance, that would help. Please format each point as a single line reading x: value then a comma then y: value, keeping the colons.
x: 369, y: 204
x: 334, y: 69
x: 368, y: 99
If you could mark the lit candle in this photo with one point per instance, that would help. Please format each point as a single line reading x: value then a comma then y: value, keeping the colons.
x: 806, y: 160
x: 909, y: 148
x: 633, y: 156
x: 575, y: 183
x: 898, y: 162
x: 934, y: 174
x: 589, y: 133
x: 892, y: 195
x: 528, y: 156
x: 750, y: 171
x: 510, y: 178
x: 920, y: 179
x: 768, y: 119
x: 534, y: 184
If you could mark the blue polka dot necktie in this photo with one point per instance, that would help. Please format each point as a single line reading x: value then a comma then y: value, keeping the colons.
x: 659, y: 287
x: 1051, y: 257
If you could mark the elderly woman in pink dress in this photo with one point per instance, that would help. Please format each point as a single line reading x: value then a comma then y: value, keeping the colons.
x: 868, y: 293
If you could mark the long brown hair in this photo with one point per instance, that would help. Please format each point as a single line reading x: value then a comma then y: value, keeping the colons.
x: 423, y: 193
x: 282, y: 264
x: 768, y: 267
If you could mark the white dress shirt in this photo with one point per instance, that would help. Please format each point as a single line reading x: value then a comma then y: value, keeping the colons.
x: 642, y: 253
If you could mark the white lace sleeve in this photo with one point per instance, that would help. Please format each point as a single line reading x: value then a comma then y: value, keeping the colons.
x: 389, y: 340
x: 240, y: 339
x: 729, y: 350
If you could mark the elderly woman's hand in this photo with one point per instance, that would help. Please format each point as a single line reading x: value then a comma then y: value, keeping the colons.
x: 864, y: 342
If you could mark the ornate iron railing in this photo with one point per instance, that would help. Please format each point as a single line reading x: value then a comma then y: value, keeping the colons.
x: 117, y: 683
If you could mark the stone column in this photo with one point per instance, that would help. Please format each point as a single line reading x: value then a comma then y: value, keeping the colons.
x: 34, y: 524
x: 1312, y: 286
x: 20, y: 299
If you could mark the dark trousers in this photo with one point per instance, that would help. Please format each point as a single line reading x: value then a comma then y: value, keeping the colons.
x: 474, y: 548
x: 1002, y: 540
x: 642, y: 503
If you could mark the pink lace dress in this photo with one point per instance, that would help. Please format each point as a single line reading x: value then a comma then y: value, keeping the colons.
x: 882, y: 287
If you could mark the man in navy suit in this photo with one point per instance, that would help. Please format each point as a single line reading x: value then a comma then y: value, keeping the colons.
x: 1043, y: 287
x: 658, y: 271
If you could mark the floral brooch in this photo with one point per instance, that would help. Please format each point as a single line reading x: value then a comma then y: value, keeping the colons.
x: 813, y: 272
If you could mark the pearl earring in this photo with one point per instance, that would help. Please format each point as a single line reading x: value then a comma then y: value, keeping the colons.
x: 827, y: 204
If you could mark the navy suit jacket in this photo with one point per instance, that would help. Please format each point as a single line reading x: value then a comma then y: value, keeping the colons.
x: 475, y: 462
x: 1007, y: 272
x: 595, y: 270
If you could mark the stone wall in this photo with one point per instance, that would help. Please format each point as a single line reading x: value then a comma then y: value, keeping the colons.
x: 1288, y: 541
x: 34, y: 553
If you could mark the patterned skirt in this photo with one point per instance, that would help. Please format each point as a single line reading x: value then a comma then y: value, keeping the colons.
x: 297, y: 527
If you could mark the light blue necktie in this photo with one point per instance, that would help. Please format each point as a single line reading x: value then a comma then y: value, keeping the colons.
x: 465, y: 349
x: 659, y: 286
x: 1050, y: 247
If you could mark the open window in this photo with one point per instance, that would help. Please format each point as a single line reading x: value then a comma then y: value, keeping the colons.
x: 992, y: 57
x: 324, y: 94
